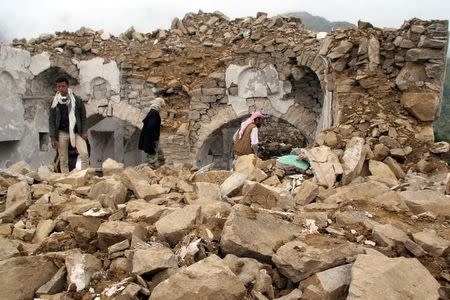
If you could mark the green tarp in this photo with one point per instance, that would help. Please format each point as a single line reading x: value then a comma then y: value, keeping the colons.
x: 291, y: 160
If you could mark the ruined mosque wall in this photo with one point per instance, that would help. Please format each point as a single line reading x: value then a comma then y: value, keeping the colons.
x: 365, y: 81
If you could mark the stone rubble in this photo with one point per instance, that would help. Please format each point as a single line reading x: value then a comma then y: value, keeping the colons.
x: 227, y: 236
x: 369, y: 220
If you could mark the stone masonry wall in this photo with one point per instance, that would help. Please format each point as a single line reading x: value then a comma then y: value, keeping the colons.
x: 212, y: 70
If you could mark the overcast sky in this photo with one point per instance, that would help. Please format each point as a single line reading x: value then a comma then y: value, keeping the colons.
x: 29, y: 18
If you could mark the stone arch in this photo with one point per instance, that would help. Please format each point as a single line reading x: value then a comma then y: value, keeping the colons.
x: 299, y: 94
x: 43, y: 85
x: 228, y: 116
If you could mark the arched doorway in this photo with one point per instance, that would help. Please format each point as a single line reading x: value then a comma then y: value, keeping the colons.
x: 276, y: 137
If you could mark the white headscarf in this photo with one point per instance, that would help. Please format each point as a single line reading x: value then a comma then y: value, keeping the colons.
x: 157, y: 104
x: 71, y: 107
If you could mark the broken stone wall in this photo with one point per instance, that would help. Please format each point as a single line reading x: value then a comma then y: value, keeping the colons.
x: 213, y: 71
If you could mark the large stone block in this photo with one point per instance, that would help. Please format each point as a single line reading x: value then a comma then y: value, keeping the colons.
x: 427, y: 200
x: 267, y: 197
x: 328, y: 284
x: 20, y: 277
x: 111, y: 188
x: 353, y: 159
x: 420, y: 54
x: 154, y: 259
x: 140, y: 186
x: 178, y: 223
x: 251, y: 233
x: 209, y: 278
x: 423, y: 106
x: 410, y: 75
x: 381, y: 277
x: 297, y: 260
x: 112, y: 232
x: 80, y: 269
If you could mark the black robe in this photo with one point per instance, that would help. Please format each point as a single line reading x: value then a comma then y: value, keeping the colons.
x: 150, y: 132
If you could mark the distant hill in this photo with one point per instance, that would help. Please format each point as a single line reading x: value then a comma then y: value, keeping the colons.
x: 317, y: 23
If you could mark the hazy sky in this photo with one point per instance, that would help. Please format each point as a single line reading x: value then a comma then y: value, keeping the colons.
x: 29, y: 18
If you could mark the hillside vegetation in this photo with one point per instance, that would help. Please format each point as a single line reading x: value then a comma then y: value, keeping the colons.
x: 317, y: 23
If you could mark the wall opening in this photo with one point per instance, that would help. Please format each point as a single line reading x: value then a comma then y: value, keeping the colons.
x: 102, y: 147
x: 44, y: 86
x: 44, y: 141
x: 113, y: 138
x: 276, y: 137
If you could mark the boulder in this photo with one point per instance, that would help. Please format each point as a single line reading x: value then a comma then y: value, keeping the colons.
x: 148, y: 212
x: 328, y: 284
x: 232, y: 183
x: 175, y: 225
x: 112, y: 188
x: 381, y: 277
x: 111, y: 167
x: 209, y: 278
x: 75, y: 178
x: 213, y: 176
x: 357, y: 192
x: 140, y: 186
x: 246, y: 164
x: 380, y: 151
x: 43, y: 230
x: 395, y: 167
x: 20, y: 277
x: 112, y: 232
x: 297, y: 260
x: 8, y: 248
x: 247, y: 269
x: 20, y: 167
x: 417, y: 54
x: 324, y: 164
x: 19, y: 192
x: 424, y: 106
x: 267, y: 197
x: 153, y: 259
x: 306, y: 192
x: 377, y: 168
x: 353, y: 159
x: 388, y: 235
x: 80, y: 269
x: 207, y: 193
x: 431, y: 242
x: 410, y: 75
x: 251, y: 233
x: 55, y: 284
x: 440, y: 147
x: 427, y: 200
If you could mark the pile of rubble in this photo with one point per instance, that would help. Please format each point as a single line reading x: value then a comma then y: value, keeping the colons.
x: 258, y: 232
x: 369, y: 220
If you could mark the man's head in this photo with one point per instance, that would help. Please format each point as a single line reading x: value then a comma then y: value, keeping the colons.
x: 62, y: 85
x: 257, y: 118
x: 258, y: 121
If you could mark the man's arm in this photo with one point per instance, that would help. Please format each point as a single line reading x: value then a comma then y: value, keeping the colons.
x: 254, y: 140
x: 82, y: 118
x: 236, y: 135
x: 52, y: 128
